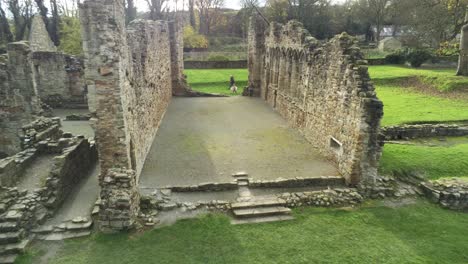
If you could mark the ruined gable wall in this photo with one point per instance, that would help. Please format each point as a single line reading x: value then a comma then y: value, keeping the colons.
x: 39, y: 38
x: 324, y: 91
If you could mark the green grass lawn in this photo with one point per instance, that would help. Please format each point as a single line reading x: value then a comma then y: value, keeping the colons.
x: 216, y: 80
x: 433, y: 162
x: 416, y: 233
x: 402, y: 105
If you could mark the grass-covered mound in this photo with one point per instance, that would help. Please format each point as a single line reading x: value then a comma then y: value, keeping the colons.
x: 417, y: 233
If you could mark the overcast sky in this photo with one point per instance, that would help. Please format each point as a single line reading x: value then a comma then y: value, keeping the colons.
x: 234, y: 4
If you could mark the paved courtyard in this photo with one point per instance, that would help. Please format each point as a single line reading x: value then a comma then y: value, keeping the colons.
x: 208, y: 139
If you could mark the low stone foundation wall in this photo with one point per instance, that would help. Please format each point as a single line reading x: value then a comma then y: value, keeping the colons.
x: 423, y: 131
x: 324, y: 181
x: 68, y: 170
x: 12, y: 167
x: 324, y: 198
x: 449, y: 193
x: 241, y: 64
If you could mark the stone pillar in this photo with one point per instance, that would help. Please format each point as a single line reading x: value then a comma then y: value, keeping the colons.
x: 104, y: 45
x: 256, y: 50
x: 107, y: 64
x: 120, y: 201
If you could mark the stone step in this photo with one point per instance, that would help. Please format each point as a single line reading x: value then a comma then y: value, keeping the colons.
x: 8, y: 227
x: 56, y: 236
x: 265, y: 219
x: 261, y: 211
x: 258, y: 203
x: 14, y: 248
x: 8, y: 259
x: 10, y: 237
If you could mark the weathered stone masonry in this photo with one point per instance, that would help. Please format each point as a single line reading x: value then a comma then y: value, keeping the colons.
x: 324, y: 90
x: 131, y: 75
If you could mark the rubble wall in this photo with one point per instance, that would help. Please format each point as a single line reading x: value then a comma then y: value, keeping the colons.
x: 323, y: 90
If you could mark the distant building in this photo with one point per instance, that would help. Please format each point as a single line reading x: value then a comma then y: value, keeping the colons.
x: 390, y: 44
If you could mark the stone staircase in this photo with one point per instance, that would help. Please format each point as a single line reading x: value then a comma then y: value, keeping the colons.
x: 12, y: 240
x: 261, y: 209
x: 78, y: 227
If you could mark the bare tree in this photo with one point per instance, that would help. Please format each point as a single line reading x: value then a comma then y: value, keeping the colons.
x: 193, y: 23
x: 130, y: 10
x: 463, y: 58
x: 5, y: 31
x: 21, y: 12
x: 157, y: 8
x: 378, y: 9
x: 209, y: 11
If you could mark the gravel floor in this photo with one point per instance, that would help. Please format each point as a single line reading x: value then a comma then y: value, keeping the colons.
x: 208, y: 139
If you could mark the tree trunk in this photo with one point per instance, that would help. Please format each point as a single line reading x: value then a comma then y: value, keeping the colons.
x: 130, y: 11
x: 193, y: 23
x: 463, y: 57
x: 54, y: 25
x: 5, y: 27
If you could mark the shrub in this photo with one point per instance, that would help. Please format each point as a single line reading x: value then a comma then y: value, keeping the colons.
x: 194, y: 40
x: 448, y: 49
x: 417, y: 57
x: 218, y: 58
x: 398, y: 57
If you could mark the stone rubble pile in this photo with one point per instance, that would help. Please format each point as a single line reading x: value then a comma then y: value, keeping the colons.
x: 39, y: 130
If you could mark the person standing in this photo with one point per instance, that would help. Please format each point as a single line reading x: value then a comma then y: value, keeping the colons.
x: 232, y: 82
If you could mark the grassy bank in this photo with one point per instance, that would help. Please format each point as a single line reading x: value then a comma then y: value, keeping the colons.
x: 403, y: 105
x: 416, y: 233
x: 440, y: 79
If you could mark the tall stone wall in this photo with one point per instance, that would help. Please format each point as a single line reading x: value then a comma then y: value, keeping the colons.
x: 324, y: 90
x: 131, y: 74
x: 147, y: 88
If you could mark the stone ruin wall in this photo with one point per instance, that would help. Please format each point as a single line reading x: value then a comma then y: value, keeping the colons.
x: 324, y: 90
x: 131, y: 74
x: 58, y: 78
x: 147, y: 90
x: 18, y: 99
